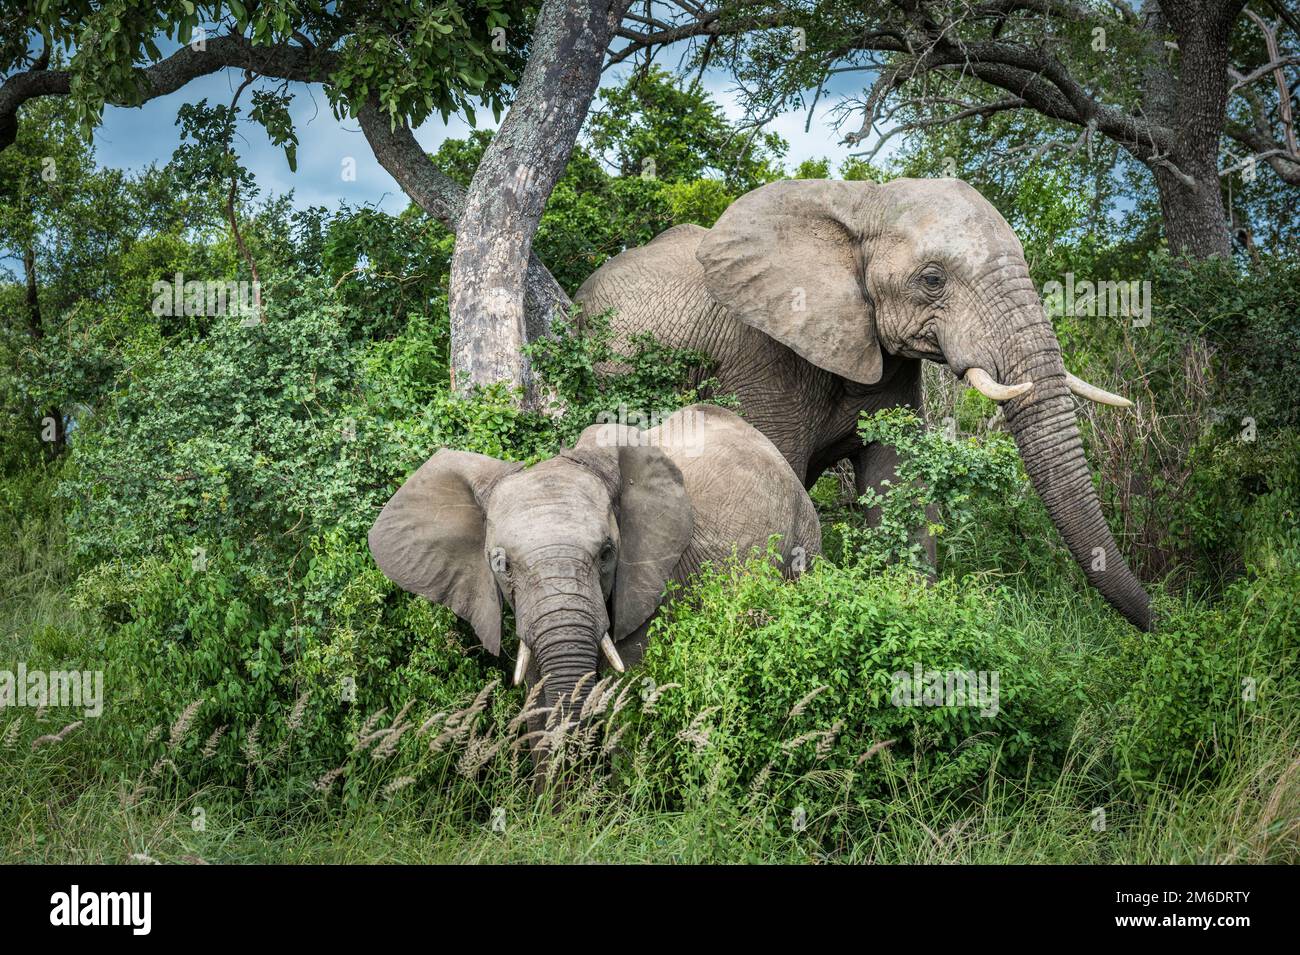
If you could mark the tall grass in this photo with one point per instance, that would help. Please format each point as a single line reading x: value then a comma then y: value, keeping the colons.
x: 56, y: 812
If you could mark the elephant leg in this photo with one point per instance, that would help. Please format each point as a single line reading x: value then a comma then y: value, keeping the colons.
x: 873, y: 466
x: 876, y: 464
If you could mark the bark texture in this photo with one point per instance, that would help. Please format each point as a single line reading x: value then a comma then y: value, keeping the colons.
x: 443, y: 198
x: 1193, y: 104
x: 503, y: 207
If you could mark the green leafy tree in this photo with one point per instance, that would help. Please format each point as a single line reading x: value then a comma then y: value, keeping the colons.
x: 1189, y: 90
x: 391, y: 65
x: 40, y: 178
x: 654, y: 125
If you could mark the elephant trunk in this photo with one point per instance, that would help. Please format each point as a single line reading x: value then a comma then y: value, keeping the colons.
x: 562, y: 625
x: 1047, y: 434
x: 567, y: 657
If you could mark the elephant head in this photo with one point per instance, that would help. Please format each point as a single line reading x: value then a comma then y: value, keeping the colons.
x: 845, y: 272
x: 580, y: 546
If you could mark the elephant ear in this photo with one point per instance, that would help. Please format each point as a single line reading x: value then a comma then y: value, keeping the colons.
x: 430, y: 537
x: 786, y: 259
x: 655, y: 518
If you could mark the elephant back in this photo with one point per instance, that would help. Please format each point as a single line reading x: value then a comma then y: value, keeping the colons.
x: 741, y: 487
x: 657, y: 288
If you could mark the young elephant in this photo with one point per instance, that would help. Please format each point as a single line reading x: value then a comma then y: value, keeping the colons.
x: 582, y: 545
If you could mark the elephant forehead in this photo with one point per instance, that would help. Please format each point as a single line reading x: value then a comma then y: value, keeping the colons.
x: 554, y: 499
x: 946, y: 220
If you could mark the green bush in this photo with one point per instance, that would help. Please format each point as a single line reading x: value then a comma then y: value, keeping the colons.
x: 237, y: 436
x: 1248, y: 317
x: 198, y: 630
x: 276, y: 681
x: 1207, y: 673
x: 954, y: 479
x: 1242, y: 505
x: 790, y: 686
x: 655, y: 379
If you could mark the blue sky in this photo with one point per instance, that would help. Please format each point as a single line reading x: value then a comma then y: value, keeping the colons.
x: 133, y: 138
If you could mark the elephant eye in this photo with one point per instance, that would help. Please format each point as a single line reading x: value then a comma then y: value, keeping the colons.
x: 932, y: 280
x: 607, y: 552
x: 498, y: 560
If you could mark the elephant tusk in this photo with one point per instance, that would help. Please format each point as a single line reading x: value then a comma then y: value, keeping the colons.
x: 983, y: 382
x: 521, y: 662
x: 1093, y: 393
x: 607, y: 646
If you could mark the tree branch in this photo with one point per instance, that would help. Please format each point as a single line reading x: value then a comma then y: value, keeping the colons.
x: 281, y: 61
x: 1283, y: 92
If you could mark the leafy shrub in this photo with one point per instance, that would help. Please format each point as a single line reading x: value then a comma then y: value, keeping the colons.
x: 788, y: 686
x: 1248, y: 317
x: 654, y: 379
x: 1207, y: 673
x: 393, y: 648
x: 220, y: 510
x: 389, y: 270
x: 1241, y: 503
x: 236, y: 436
x: 205, y: 631
x: 937, y: 475
x: 276, y: 681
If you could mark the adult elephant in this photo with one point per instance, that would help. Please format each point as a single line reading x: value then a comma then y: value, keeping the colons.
x: 819, y: 299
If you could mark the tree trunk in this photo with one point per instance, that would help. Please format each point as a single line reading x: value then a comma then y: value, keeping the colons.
x: 1194, y: 105
x: 508, y: 193
x: 1193, y: 215
x: 443, y: 198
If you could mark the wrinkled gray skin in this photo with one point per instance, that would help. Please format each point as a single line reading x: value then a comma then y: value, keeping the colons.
x: 585, y: 542
x: 818, y: 300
